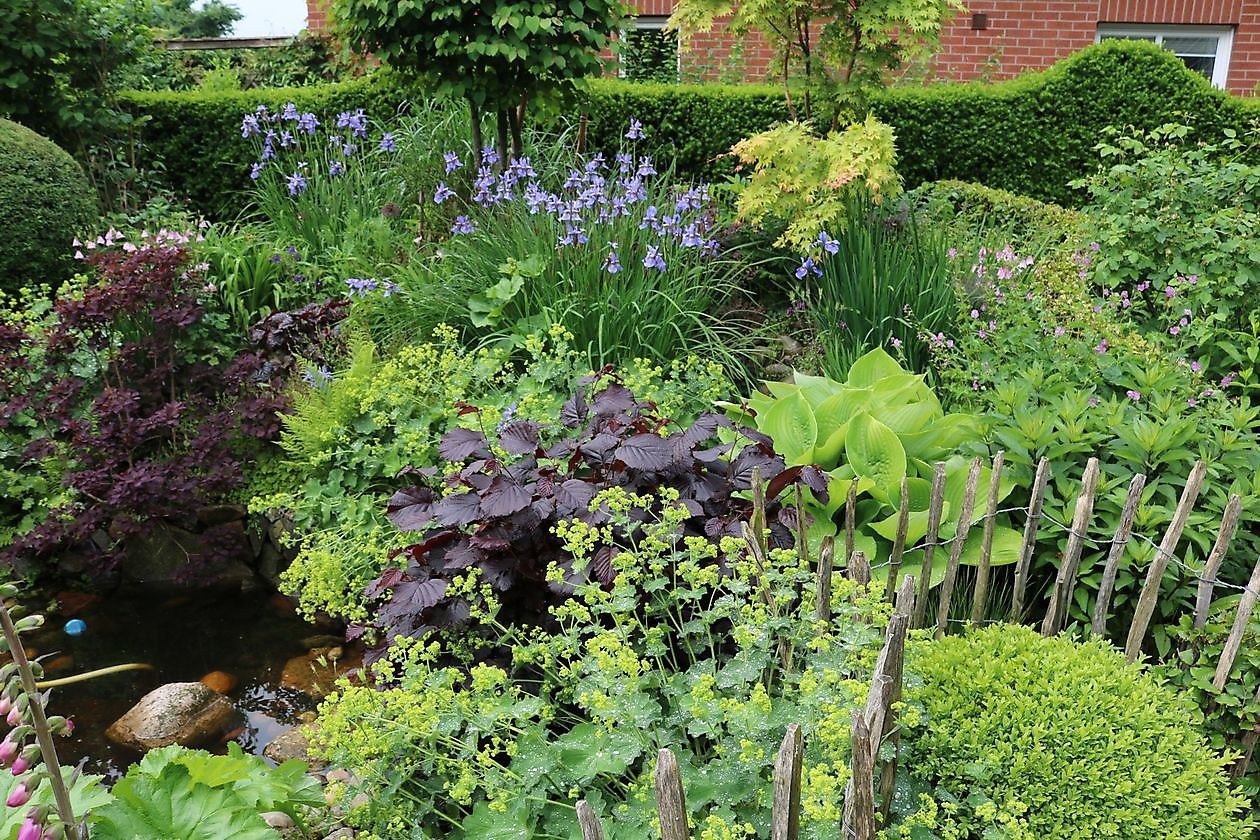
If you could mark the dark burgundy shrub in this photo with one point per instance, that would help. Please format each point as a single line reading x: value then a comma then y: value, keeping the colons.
x: 133, y: 393
x: 498, y: 514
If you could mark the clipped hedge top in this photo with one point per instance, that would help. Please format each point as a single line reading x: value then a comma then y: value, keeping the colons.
x: 1068, y: 738
x: 1031, y: 135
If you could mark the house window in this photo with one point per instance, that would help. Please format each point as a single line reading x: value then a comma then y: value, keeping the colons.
x: 1204, y: 49
x: 648, y: 52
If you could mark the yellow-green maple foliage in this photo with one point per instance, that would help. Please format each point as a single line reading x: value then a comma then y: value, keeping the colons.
x: 806, y: 182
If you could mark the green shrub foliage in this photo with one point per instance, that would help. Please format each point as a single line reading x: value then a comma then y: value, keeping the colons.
x: 45, y: 200
x: 1029, y: 737
x: 1032, y: 135
x: 1035, y: 134
x: 196, y: 135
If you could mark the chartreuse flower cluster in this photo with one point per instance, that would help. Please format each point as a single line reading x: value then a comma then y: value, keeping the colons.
x: 505, y: 727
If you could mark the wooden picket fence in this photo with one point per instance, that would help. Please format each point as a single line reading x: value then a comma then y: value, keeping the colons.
x: 865, y: 808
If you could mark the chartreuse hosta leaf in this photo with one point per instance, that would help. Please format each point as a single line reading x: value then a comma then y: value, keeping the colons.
x: 873, y: 367
x: 873, y: 450
x: 790, y: 421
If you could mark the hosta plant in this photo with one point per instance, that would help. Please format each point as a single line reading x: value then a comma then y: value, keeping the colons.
x: 497, y: 508
x: 880, y: 426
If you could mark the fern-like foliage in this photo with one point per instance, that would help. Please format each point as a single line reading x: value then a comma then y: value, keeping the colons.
x: 805, y: 182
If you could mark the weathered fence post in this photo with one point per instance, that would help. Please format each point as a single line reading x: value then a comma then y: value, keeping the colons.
x: 588, y: 822
x: 955, y: 551
x: 929, y: 546
x: 899, y: 542
x: 981, y: 596
x: 1065, y: 581
x: 785, y: 819
x: 850, y: 522
x: 822, y: 598
x: 1118, y: 544
x: 1242, y: 618
x: 870, y: 724
x: 671, y: 802
x: 1029, y: 545
x: 1203, y: 598
x: 1159, y: 563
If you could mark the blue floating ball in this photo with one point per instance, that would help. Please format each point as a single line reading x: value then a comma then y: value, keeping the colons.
x: 76, y: 627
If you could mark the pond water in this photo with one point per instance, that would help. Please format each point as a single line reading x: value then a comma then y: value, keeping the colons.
x: 246, y: 636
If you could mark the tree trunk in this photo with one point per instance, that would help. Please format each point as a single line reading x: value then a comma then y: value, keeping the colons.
x: 518, y: 128
x: 501, y: 137
x: 474, y: 112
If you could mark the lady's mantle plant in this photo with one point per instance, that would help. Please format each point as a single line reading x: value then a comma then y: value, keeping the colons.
x: 669, y: 639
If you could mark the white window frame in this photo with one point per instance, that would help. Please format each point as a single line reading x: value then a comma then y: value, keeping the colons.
x: 651, y: 22
x: 1157, y: 33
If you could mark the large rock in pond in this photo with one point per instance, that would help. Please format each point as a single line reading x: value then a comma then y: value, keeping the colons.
x: 189, y: 714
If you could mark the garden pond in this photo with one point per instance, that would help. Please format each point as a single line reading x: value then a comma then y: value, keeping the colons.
x: 239, y: 643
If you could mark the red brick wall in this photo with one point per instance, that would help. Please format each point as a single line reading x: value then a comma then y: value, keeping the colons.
x: 316, y: 16
x: 1033, y: 34
x: 1021, y: 35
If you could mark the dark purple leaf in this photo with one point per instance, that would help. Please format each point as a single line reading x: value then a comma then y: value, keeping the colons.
x: 499, y: 572
x: 755, y: 436
x: 519, y: 438
x: 753, y: 458
x: 602, y: 564
x: 418, y: 595
x: 646, y: 452
x: 457, y: 509
x: 459, y: 444
x: 574, y: 411
x: 704, y: 428
x: 410, y: 509
x: 387, y: 580
x: 782, y: 480
x: 615, y: 399
x: 419, y: 551
x: 503, y: 497
x: 693, y: 507
x: 573, y: 495
x: 490, y: 540
x: 599, y: 446
x: 713, y: 454
x: 816, y: 480
x: 461, y: 557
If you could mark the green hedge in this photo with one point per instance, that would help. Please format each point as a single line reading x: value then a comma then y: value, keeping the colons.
x: 1031, y: 135
x: 196, y: 135
x: 1034, y: 134
x: 692, y: 125
x: 45, y: 201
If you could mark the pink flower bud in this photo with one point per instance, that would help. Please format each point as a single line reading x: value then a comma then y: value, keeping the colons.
x: 8, y: 751
x: 19, y: 797
x: 30, y: 830
x: 20, y: 765
x: 15, y: 716
x: 5, y: 705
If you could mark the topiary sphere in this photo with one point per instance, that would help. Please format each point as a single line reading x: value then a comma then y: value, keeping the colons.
x: 1028, y: 738
x: 45, y: 201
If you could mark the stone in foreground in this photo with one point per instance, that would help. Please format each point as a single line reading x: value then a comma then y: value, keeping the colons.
x: 189, y: 714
